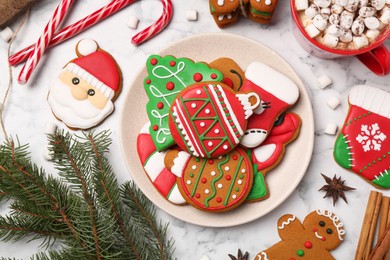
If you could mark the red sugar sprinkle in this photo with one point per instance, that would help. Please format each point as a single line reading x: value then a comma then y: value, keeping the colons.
x: 155, y: 128
x: 219, y: 200
x: 170, y: 85
x: 204, y: 180
x: 160, y: 105
x: 213, y: 76
x: 235, y: 157
x: 197, y: 195
x: 148, y: 81
x: 198, y: 77
x: 211, y: 161
x: 172, y: 63
x: 153, y: 61
x: 228, y: 177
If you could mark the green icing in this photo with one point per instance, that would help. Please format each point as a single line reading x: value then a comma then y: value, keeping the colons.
x: 259, y: 188
x: 178, y: 72
x: 342, y: 153
x: 383, y: 180
x: 260, y: 12
x: 214, y: 190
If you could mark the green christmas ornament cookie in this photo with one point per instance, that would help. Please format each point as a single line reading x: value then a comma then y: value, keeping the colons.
x: 167, y: 76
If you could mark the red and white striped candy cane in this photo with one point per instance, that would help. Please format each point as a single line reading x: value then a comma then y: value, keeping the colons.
x: 75, y: 28
x: 157, y: 27
x: 44, y: 40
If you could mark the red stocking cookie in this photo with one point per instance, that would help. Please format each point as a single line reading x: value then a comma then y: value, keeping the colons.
x: 208, y: 119
x: 82, y: 93
x: 363, y: 145
x: 277, y: 93
x: 320, y: 233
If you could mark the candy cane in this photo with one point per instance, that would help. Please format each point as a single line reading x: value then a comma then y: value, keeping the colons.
x: 57, y: 18
x: 157, y: 27
x: 87, y: 22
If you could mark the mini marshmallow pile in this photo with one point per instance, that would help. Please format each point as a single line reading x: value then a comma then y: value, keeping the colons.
x: 341, y: 22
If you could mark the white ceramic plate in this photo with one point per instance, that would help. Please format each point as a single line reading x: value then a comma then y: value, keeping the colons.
x: 281, y: 181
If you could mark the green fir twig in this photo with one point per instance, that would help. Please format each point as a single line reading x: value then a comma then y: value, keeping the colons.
x: 85, y: 211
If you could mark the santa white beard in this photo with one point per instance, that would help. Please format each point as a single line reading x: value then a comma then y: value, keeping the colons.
x: 75, y: 113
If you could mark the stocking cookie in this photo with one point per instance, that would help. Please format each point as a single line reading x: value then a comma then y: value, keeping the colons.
x: 277, y: 93
x: 233, y: 76
x: 209, y: 119
x: 363, y: 145
x: 167, y: 76
x: 320, y: 233
x: 82, y: 93
x: 213, y: 185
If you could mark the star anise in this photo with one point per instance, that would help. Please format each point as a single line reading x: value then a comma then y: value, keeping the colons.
x: 335, y: 188
x: 239, y: 256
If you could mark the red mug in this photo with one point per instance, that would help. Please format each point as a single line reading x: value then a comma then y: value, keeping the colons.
x: 375, y: 56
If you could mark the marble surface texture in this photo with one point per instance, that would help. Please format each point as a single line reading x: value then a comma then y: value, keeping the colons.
x: 27, y: 113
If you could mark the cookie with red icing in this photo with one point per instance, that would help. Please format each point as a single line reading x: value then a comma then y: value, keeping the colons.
x: 320, y: 233
x: 82, y: 93
x: 167, y: 77
x: 209, y: 119
x: 233, y: 75
x: 363, y: 145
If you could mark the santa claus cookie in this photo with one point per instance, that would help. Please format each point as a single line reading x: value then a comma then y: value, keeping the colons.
x: 233, y: 75
x: 320, y: 233
x: 213, y: 185
x: 277, y: 93
x: 209, y: 119
x: 82, y: 93
x: 363, y: 145
x: 167, y: 77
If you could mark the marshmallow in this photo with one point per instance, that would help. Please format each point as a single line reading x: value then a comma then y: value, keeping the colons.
x: 335, y: 30
x: 360, y: 41
x: 322, y: 3
x: 192, y: 15
x: 333, y: 103
x: 372, y: 34
x: 341, y: 2
x: 50, y: 128
x: 324, y: 81
x: 378, y: 4
x: 385, y: 17
x: 312, y: 11
x: 330, y: 40
x: 6, y: 34
x: 133, y: 22
x: 352, y: 5
x: 334, y: 19
x: 330, y: 129
x: 204, y: 257
x: 367, y: 11
x: 372, y: 23
x: 301, y: 4
x: 320, y: 22
x: 336, y: 9
x: 346, y: 36
x: 325, y: 11
x: 47, y: 154
x: 346, y: 19
x: 358, y: 27
x: 312, y: 31
x: 363, y: 3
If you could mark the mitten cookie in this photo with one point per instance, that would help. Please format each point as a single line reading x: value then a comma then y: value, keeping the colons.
x: 261, y: 11
x: 209, y: 119
x: 363, y: 145
x: 233, y: 75
x: 277, y: 93
x: 167, y: 76
x: 320, y: 233
x: 82, y: 93
x: 212, y: 185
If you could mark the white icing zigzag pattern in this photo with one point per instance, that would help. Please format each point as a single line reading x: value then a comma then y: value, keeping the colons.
x: 336, y: 222
x: 287, y: 222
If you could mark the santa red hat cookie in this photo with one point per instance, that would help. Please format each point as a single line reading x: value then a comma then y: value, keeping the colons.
x: 82, y: 93
x: 363, y: 145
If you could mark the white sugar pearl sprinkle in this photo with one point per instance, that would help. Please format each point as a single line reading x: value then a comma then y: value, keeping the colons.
x: 193, y: 105
x: 331, y: 129
x: 225, y: 147
x: 198, y: 92
x: 234, y: 196
x: 193, y: 167
x: 220, y: 186
x: 227, y: 168
x: 210, y: 143
x: 202, y: 124
x: 213, y: 173
x: 333, y: 103
x: 216, y: 131
x: 206, y: 191
x: 207, y: 111
x: 188, y: 182
x: 239, y: 182
x: 243, y: 170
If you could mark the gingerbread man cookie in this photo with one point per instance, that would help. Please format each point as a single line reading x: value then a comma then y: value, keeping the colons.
x: 82, y: 93
x: 320, y: 233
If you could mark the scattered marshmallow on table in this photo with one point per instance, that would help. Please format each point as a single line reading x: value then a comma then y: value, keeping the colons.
x: 204, y: 257
x: 324, y: 81
x: 192, y: 15
x: 133, y: 22
x: 333, y: 103
x: 6, y: 34
x: 50, y: 128
x: 47, y: 154
x: 330, y: 129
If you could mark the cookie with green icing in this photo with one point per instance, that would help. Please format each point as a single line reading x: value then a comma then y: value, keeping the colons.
x: 167, y: 77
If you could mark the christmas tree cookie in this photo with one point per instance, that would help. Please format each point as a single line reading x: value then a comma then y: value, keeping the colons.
x: 363, y: 145
x: 167, y: 76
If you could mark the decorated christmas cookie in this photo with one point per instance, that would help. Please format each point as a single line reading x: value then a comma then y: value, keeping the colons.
x: 261, y: 11
x: 82, y: 93
x: 153, y: 163
x: 225, y: 12
x: 363, y: 145
x: 320, y: 233
x: 277, y: 93
x: 233, y: 76
x: 167, y: 76
x: 209, y: 119
x: 212, y: 185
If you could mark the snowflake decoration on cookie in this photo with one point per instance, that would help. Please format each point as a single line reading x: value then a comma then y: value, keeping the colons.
x: 371, y: 137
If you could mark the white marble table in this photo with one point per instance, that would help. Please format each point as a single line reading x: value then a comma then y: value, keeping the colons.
x: 27, y: 113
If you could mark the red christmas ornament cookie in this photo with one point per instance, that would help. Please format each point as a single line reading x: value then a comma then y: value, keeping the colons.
x: 363, y: 145
x: 320, y: 232
x: 213, y: 185
x: 208, y: 119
